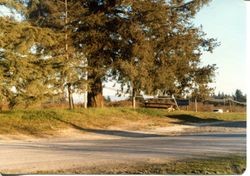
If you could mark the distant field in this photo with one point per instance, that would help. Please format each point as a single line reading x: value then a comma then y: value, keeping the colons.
x: 49, y: 122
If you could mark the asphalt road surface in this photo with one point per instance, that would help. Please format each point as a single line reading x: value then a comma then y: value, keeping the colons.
x: 42, y: 155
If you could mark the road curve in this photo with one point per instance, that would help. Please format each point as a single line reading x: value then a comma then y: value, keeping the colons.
x: 27, y: 157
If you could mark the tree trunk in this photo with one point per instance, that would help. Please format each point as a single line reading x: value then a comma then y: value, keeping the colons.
x: 66, y: 53
x: 70, y: 97
x: 72, y: 102
x: 133, y: 98
x: 95, y: 97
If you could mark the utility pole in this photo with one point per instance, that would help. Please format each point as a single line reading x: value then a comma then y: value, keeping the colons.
x: 196, y: 107
x: 86, y: 90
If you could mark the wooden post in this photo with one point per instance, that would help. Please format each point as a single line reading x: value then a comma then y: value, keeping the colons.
x: 85, y: 100
x: 224, y: 104
x: 230, y: 105
x: 195, y: 101
x: 133, y: 99
x: 175, y: 102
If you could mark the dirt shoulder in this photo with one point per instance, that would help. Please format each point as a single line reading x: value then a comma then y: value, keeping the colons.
x: 110, y: 123
x: 118, y: 133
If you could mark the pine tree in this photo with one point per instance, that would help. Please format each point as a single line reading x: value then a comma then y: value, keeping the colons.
x: 60, y: 16
x: 159, y: 47
x: 148, y: 46
x: 180, y: 50
x: 93, y: 37
x: 238, y: 96
x: 59, y: 62
x: 23, y: 66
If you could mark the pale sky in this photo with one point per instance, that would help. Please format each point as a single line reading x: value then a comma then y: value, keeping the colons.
x: 248, y: 46
x: 226, y: 21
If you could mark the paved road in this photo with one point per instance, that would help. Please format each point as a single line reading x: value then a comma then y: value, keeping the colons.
x: 25, y: 157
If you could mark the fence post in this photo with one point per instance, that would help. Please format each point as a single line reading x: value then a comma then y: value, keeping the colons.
x: 195, y: 101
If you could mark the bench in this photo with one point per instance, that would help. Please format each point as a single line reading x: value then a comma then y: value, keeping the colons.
x: 169, y: 106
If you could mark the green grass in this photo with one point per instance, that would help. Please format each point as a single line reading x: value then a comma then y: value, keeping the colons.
x: 48, y: 122
x: 235, y: 116
x: 216, y: 165
x: 30, y: 122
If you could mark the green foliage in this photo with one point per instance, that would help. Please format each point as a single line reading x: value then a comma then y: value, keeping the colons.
x: 158, y: 48
x: 151, y: 46
x: 24, y: 75
x: 239, y: 96
x: 33, y: 65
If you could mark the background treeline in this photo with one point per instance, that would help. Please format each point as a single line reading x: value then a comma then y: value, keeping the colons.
x: 59, y: 47
x: 237, y: 96
x: 235, y: 102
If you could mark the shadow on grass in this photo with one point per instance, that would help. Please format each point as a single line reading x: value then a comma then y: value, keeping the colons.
x: 110, y: 132
x: 197, y: 121
x: 184, y: 118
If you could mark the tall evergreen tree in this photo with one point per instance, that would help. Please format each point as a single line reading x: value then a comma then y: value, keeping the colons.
x: 238, y: 96
x: 66, y: 67
x: 159, y: 47
x: 148, y: 45
x: 25, y: 70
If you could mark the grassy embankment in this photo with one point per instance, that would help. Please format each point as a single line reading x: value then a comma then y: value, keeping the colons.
x: 232, y: 165
x: 48, y: 122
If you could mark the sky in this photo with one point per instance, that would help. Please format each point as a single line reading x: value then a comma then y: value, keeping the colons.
x: 248, y: 46
x: 226, y: 21
x: 5, y: 11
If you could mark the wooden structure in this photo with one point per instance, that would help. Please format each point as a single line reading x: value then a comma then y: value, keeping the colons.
x: 161, y: 102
